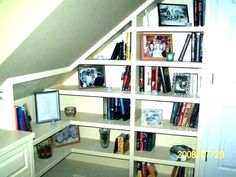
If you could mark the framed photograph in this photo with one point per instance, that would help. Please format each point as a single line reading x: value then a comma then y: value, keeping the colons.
x: 47, y: 106
x: 91, y: 76
x: 173, y: 14
x: 181, y: 84
x: 67, y: 136
x: 155, y: 46
x: 152, y: 117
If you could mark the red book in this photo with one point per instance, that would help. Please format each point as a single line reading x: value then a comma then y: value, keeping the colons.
x: 181, y: 115
x: 141, y: 145
x: 154, y: 84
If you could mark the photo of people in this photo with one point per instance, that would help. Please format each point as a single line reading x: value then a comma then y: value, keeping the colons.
x: 91, y: 76
x: 156, y: 46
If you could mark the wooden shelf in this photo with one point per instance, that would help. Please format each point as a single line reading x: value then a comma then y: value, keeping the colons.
x: 167, y: 97
x: 97, y: 120
x: 167, y: 129
x: 92, y: 92
x: 85, y: 146
x: 161, y: 155
x: 45, y: 130
x: 175, y: 64
x: 175, y: 29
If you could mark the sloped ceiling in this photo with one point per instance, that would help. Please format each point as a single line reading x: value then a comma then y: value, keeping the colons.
x: 71, y: 29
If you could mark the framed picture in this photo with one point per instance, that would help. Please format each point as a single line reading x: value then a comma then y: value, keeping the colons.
x: 155, y: 46
x: 47, y: 106
x: 181, y: 84
x: 91, y: 76
x: 173, y: 14
x: 152, y: 117
x: 66, y: 136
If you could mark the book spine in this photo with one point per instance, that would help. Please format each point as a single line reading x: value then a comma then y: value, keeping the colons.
x: 154, y: 84
x: 165, y: 79
x: 193, y: 47
x: 120, y: 144
x: 181, y: 115
x: 197, y: 54
x: 126, y: 78
x: 173, y: 112
x: 141, y: 79
x: 185, y: 46
x: 147, y: 78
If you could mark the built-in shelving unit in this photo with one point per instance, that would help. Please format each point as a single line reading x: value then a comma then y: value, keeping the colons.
x: 166, y: 135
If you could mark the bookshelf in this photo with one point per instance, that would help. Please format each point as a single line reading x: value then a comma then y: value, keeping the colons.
x: 91, y: 118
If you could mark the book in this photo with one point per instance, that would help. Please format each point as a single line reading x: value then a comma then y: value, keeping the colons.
x: 126, y: 78
x: 144, y: 169
x: 174, y: 111
x: 141, y: 79
x: 154, y: 79
x: 139, y: 172
x: 185, y: 46
x: 124, y: 107
x: 128, y: 46
x: 165, y: 79
x: 152, y: 170
x: 123, y: 143
x: 147, y: 78
x: 175, y: 171
x: 115, y: 52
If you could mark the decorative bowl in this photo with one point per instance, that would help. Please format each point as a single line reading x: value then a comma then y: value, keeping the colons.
x: 70, y: 111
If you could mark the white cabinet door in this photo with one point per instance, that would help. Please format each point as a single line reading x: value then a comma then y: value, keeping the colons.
x: 221, y: 110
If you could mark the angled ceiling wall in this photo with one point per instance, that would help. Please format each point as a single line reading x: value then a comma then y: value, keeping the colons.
x: 71, y: 29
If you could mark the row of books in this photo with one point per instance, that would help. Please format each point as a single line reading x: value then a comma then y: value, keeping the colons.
x: 185, y: 114
x: 146, y: 169
x: 145, y: 141
x: 199, y: 8
x: 196, y: 39
x: 121, y: 143
x: 117, y: 108
x: 122, y: 50
x: 23, y: 118
x: 182, y: 172
x: 154, y: 79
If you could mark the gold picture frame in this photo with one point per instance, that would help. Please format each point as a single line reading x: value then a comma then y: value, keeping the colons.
x: 155, y: 46
x: 68, y: 135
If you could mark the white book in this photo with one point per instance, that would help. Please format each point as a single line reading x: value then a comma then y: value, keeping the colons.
x: 147, y: 78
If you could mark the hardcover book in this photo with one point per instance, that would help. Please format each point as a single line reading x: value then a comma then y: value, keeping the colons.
x: 165, y: 79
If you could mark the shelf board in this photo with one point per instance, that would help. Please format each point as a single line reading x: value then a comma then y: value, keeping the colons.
x: 93, y: 147
x: 43, y: 165
x: 92, y: 92
x: 160, y: 155
x: 106, y: 61
x: 174, y: 64
x: 82, y: 169
x: 167, y: 128
x: 176, y: 29
x: 97, y: 120
x: 85, y: 146
x: 44, y: 130
x: 165, y: 97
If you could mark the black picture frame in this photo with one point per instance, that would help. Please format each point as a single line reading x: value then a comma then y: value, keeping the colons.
x: 91, y: 76
x: 181, y: 84
x: 173, y: 14
x: 47, y: 106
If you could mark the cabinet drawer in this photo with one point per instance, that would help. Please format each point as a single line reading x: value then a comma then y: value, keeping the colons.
x: 16, y: 162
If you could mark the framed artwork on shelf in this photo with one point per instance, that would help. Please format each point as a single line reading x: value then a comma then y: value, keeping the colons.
x: 91, y: 76
x: 67, y: 136
x: 152, y: 117
x: 173, y: 14
x: 181, y: 84
x: 155, y: 46
x: 47, y: 106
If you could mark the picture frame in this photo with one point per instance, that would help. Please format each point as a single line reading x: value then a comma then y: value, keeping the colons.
x: 155, y: 46
x: 173, y: 14
x: 68, y: 135
x: 152, y: 117
x: 91, y: 76
x: 181, y: 84
x: 47, y: 106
